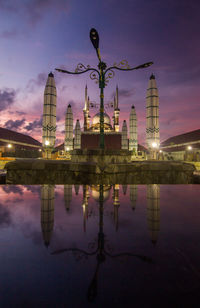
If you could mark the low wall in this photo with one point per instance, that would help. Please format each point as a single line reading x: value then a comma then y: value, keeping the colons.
x: 66, y: 172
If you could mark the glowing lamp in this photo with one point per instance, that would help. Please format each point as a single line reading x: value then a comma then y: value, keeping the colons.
x: 9, y: 146
x: 47, y: 142
x: 160, y: 151
x: 189, y: 147
x: 154, y: 145
x: 67, y: 149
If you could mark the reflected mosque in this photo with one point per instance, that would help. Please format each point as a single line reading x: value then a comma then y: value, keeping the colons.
x: 93, y: 192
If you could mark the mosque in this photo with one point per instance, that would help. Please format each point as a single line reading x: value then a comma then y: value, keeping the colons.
x: 88, y: 137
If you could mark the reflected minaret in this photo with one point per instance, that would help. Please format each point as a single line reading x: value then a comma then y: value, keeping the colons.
x: 152, y: 115
x: 124, y: 136
x: 116, y: 111
x: 67, y: 196
x: 47, y: 212
x: 69, y: 129
x: 77, y: 138
x: 153, y: 211
x: 49, y: 116
x: 133, y: 196
x: 76, y: 188
x: 124, y: 188
x: 116, y: 204
x: 133, y: 142
x: 86, y: 196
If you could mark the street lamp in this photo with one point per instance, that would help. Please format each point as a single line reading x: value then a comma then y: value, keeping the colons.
x: 102, y: 75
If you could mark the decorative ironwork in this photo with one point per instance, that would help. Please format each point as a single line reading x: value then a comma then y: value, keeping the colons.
x: 81, y: 68
x: 110, y: 75
x: 94, y: 76
x: 122, y: 64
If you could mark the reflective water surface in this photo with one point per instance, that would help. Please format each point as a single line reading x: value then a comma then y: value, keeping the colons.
x: 100, y: 246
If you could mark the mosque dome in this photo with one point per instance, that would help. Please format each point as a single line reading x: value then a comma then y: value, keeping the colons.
x: 96, y: 119
x: 96, y: 193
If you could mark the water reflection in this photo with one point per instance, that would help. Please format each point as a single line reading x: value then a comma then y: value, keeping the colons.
x: 153, y: 211
x: 47, y: 212
x: 101, y: 242
x: 100, y: 193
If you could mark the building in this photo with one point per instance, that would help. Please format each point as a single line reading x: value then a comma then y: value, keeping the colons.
x: 182, y: 147
x: 14, y: 144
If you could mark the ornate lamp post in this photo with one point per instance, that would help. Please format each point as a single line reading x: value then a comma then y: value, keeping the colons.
x: 102, y: 76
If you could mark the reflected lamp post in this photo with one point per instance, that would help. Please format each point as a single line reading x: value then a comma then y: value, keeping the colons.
x: 102, y: 76
x: 101, y: 252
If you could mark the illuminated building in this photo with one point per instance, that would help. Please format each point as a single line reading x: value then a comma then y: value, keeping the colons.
x: 152, y: 115
x: 133, y: 140
x: 49, y: 116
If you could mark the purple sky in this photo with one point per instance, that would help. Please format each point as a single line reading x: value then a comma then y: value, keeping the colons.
x: 36, y: 36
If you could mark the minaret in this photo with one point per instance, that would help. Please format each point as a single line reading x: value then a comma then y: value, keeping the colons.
x: 49, y: 116
x: 86, y: 111
x: 133, y: 142
x: 133, y: 195
x: 116, y: 111
x: 69, y: 129
x: 124, y: 136
x: 116, y: 204
x: 153, y: 211
x: 152, y: 115
x: 77, y: 138
x: 47, y: 212
x: 67, y: 196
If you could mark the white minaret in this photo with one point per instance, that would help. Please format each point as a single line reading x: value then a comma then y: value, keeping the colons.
x: 153, y: 211
x: 133, y: 142
x: 49, y: 116
x: 124, y: 136
x: 69, y: 129
x: 47, y: 212
x: 152, y: 115
x: 77, y: 138
x: 116, y: 111
x: 86, y: 111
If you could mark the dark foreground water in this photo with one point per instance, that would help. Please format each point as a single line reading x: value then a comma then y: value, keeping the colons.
x: 100, y: 246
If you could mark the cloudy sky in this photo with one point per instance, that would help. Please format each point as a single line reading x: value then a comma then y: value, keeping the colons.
x: 36, y: 36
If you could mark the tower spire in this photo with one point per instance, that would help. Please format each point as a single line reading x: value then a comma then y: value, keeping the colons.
x: 152, y: 115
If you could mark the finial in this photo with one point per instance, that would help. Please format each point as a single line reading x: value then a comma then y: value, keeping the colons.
x: 51, y: 74
x: 152, y: 76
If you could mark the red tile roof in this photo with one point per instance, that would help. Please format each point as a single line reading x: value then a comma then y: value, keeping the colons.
x: 183, y: 138
x: 17, y: 137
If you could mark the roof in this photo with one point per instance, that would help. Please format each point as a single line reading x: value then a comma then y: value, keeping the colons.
x: 12, y: 136
x: 183, y: 138
x: 141, y: 148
